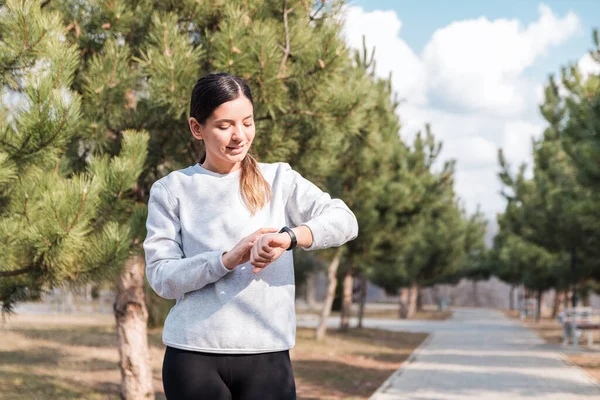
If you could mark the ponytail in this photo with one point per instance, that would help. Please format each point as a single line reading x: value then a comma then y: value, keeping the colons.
x: 255, y: 189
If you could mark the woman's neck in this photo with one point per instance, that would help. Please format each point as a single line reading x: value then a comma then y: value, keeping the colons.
x: 224, y: 168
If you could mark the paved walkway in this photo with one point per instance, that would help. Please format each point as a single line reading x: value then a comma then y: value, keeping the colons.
x: 481, y: 354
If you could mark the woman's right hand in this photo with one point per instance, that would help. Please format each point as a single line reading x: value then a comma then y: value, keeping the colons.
x: 240, y: 253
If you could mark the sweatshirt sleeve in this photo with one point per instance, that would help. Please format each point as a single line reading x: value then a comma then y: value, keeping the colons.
x: 330, y: 220
x: 169, y: 272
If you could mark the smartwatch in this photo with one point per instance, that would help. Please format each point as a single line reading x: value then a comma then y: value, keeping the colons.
x: 292, y: 235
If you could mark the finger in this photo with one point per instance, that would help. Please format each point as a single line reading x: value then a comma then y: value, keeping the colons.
x: 263, y: 231
x: 260, y: 263
x: 266, y: 247
x: 266, y: 254
x: 246, y: 256
x: 278, y: 241
x: 258, y: 269
x: 253, y: 253
x: 259, y: 255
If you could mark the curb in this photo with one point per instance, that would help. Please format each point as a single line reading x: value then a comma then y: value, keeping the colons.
x: 563, y: 357
x: 388, y: 382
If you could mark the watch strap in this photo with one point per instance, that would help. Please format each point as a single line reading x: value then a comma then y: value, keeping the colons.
x: 292, y: 236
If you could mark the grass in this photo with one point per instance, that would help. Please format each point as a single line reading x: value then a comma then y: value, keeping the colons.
x: 350, y: 365
x: 551, y: 331
x: 75, y: 357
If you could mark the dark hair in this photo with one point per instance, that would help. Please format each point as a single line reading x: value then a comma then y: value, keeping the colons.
x: 209, y: 93
x: 213, y: 90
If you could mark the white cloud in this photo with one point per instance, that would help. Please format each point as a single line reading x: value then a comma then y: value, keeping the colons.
x: 381, y: 29
x: 516, y: 142
x: 480, y: 186
x: 478, y: 64
x: 588, y: 66
x: 481, y: 150
x: 469, y: 83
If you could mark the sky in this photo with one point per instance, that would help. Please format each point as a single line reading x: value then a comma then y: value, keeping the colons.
x: 475, y: 71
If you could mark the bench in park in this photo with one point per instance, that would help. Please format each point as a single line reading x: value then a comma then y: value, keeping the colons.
x: 577, y: 320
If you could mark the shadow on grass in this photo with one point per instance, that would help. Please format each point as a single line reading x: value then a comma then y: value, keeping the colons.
x: 51, y: 357
x: 91, y: 336
x: 392, y: 358
x: 338, y: 377
x: 38, y: 386
x: 379, y: 337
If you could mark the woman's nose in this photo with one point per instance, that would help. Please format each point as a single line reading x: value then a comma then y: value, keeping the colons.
x: 238, y: 133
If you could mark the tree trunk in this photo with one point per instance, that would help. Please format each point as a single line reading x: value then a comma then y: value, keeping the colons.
x: 475, y: 294
x: 69, y: 304
x: 132, y: 318
x: 347, y: 299
x: 311, y: 289
x: 511, y: 299
x: 419, y: 300
x: 584, y: 293
x: 332, y: 283
x: 437, y: 297
x: 412, y: 300
x: 538, y: 311
x: 558, y: 301
x: 364, y: 285
x: 403, y: 303
x: 574, y: 299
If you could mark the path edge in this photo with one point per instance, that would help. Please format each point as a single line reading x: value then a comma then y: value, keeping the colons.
x: 413, y: 356
x: 564, y: 358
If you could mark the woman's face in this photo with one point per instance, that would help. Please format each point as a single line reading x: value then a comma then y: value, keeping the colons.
x: 227, y: 134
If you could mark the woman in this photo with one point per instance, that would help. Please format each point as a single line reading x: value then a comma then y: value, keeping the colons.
x: 218, y: 239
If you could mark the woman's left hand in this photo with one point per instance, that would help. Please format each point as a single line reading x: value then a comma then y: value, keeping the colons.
x: 268, y: 249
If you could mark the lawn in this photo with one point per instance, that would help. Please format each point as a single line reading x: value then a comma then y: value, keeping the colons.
x: 75, y: 357
x: 550, y: 330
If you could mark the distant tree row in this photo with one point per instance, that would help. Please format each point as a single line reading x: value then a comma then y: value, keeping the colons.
x: 550, y: 230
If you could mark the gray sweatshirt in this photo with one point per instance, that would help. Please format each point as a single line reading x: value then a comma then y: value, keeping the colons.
x: 194, y: 215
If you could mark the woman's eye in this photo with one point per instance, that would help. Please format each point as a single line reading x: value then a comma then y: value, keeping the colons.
x: 248, y: 124
x: 223, y: 127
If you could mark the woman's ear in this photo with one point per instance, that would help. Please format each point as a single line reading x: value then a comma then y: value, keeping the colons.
x: 196, y: 128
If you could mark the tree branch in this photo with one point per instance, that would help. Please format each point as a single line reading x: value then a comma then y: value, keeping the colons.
x: 7, y: 274
x: 80, y: 209
x: 47, y: 142
x: 286, y: 50
x: 59, y: 221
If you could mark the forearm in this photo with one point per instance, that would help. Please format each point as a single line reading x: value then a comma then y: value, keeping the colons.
x: 333, y: 227
x: 170, y: 279
x: 304, y: 236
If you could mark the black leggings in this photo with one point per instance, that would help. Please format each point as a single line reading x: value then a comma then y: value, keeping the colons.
x: 191, y: 375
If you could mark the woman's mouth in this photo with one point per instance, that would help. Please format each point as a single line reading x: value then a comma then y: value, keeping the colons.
x: 236, y: 149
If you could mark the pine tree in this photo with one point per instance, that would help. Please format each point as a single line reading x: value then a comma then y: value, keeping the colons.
x: 579, y: 136
x: 416, y: 197
x: 58, y: 226
x: 55, y: 227
x: 551, y: 215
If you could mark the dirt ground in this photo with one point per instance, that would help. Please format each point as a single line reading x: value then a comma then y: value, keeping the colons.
x: 75, y: 357
x: 551, y: 331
